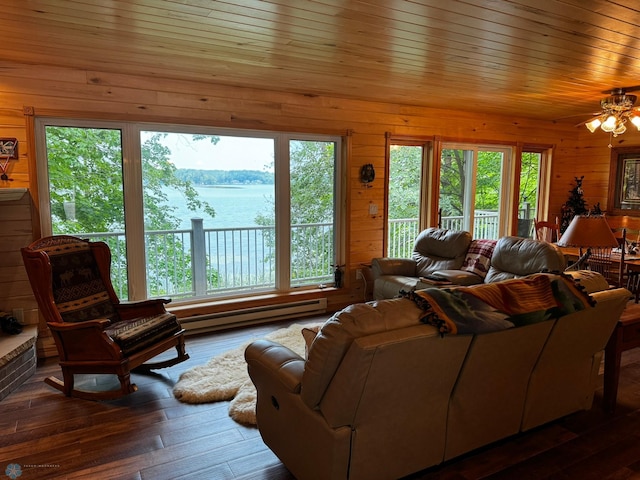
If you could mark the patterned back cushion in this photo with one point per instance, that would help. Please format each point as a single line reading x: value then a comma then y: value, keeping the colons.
x: 78, y: 290
x: 478, y: 259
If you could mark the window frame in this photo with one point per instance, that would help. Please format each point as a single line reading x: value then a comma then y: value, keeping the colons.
x: 132, y: 188
x: 430, y: 191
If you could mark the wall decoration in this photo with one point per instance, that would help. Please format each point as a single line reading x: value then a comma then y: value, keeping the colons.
x: 367, y: 173
x: 624, y: 181
x: 8, y: 151
x: 9, y: 148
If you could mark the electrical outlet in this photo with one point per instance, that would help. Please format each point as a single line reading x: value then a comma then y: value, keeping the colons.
x: 359, y: 275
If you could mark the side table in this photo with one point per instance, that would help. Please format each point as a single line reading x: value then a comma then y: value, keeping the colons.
x: 625, y: 336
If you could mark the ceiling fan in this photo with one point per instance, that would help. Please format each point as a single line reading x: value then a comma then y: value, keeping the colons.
x: 617, y: 109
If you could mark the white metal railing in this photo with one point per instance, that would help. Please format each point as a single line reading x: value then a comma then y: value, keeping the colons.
x: 199, y: 261
x: 403, y: 232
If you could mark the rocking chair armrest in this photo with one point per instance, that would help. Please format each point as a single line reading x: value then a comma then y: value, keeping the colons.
x: 99, y: 325
x: 143, y: 308
x: 84, y: 341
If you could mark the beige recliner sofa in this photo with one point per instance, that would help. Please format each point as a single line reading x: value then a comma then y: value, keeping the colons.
x: 383, y: 395
x: 447, y: 255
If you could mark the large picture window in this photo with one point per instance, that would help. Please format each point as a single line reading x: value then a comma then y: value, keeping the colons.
x: 191, y: 212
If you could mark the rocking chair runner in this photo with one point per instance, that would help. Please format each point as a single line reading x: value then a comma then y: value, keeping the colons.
x: 94, y: 332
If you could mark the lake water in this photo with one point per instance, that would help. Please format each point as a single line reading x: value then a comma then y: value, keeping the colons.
x: 235, y: 205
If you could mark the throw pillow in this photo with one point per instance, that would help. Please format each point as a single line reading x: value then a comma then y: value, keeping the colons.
x: 478, y: 259
x: 309, y: 334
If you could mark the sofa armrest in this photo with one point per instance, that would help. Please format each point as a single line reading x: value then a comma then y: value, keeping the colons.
x: 270, y: 362
x: 393, y: 266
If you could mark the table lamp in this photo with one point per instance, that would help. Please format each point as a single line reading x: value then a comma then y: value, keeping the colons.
x: 591, y: 232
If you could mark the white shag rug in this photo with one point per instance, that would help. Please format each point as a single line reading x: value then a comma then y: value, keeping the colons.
x: 225, y: 377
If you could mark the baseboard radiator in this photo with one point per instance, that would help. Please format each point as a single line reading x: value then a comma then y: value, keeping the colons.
x: 253, y: 316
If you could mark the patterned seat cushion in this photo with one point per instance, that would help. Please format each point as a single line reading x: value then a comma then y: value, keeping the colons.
x: 138, y: 333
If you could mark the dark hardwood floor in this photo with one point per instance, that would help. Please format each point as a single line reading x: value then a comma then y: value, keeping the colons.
x: 150, y: 435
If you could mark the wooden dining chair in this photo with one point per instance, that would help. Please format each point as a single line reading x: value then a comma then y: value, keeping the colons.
x: 633, y: 284
x: 547, y: 231
x: 610, y: 265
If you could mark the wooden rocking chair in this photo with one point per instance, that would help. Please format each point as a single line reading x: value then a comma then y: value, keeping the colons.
x: 94, y: 332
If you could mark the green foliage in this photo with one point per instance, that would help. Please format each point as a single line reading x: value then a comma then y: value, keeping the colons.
x: 85, y: 176
x: 85, y: 172
x: 85, y: 168
x: 225, y: 177
x: 488, y: 181
x: 404, y: 181
x: 529, y: 174
x: 312, y: 166
x: 158, y: 172
x: 452, y: 182
x: 312, y: 181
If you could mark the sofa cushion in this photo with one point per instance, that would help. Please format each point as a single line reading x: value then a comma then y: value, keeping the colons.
x: 135, y: 334
x: 309, y: 335
x: 515, y: 257
x: 389, y: 286
x: 456, y: 277
x: 440, y: 249
x: 590, y: 281
x: 78, y: 289
x: 478, y: 258
x: 336, y: 335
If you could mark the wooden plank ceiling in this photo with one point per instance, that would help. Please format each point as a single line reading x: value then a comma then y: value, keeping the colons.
x: 543, y: 59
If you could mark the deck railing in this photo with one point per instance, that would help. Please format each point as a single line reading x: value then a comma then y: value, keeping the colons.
x: 403, y: 232
x: 198, y: 262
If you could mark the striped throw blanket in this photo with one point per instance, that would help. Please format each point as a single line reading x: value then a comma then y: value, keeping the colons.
x: 494, y: 306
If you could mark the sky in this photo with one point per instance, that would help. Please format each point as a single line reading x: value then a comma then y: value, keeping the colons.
x: 230, y: 153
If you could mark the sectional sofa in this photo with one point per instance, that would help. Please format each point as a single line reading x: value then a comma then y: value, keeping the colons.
x: 395, y: 386
x: 452, y: 256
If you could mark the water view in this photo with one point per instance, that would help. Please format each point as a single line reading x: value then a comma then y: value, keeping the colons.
x: 235, y: 205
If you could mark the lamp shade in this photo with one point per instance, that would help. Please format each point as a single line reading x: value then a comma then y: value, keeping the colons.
x: 588, y: 231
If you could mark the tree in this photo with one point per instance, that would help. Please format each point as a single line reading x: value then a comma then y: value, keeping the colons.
x: 405, y: 167
x: 86, y: 191
x: 404, y: 181
x: 312, y: 167
x: 529, y: 174
x: 85, y: 172
x: 575, y: 205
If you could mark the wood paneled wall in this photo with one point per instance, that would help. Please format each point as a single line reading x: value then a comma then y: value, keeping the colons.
x: 93, y: 94
x: 589, y: 156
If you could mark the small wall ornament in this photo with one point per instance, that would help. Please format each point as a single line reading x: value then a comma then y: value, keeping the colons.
x: 367, y: 173
x: 8, y: 151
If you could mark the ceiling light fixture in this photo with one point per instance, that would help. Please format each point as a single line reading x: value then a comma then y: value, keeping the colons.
x: 617, y: 109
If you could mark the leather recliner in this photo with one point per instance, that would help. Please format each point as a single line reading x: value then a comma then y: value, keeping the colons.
x: 441, y: 253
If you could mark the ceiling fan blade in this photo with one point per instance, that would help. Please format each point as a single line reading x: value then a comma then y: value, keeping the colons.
x: 621, y: 90
x: 585, y: 114
x: 584, y: 122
